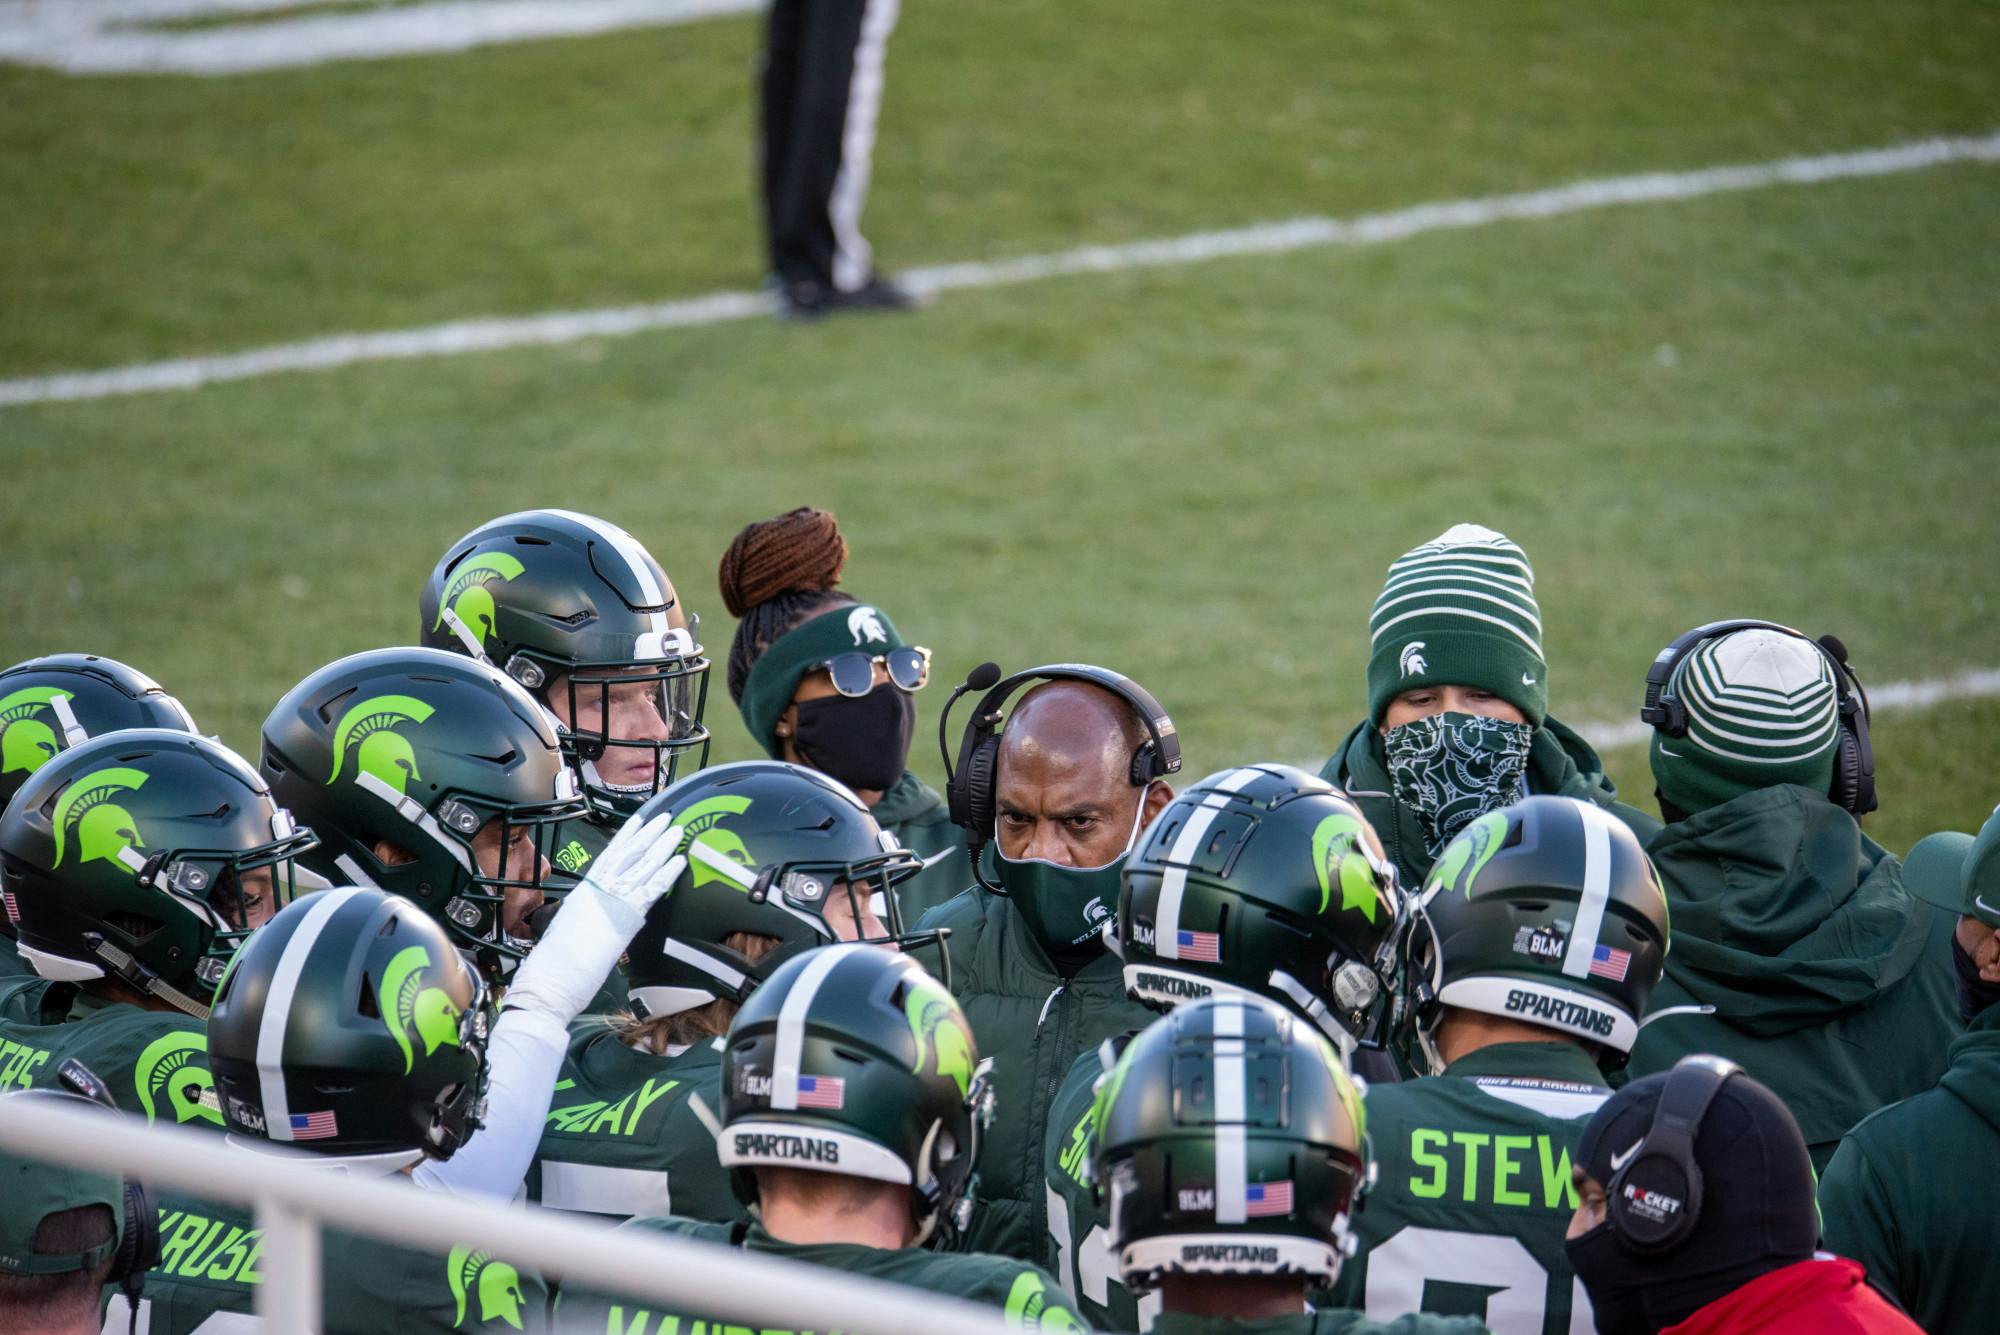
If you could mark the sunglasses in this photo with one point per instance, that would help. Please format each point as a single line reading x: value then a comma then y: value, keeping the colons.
x: 854, y: 673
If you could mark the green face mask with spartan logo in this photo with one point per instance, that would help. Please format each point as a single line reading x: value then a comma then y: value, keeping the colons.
x: 380, y: 750
x: 89, y: 822
x: 494, y: 1286
x: 1450, y: 769
x: 27, y: 739
x: 409, y: 1008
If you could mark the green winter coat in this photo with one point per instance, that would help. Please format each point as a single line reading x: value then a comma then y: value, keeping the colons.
x: 1027, y: 1298
x: 1315, y: 1323
x: 1910, y: 1193
x: 1830, y: 981
x: 153, y: 1063
x: 1473, y: 1193
x: 625, y: 1133
x: 916, y: 816
x: 211, y: 1262
x: 1560, y: 764
x: 1033, y: 1023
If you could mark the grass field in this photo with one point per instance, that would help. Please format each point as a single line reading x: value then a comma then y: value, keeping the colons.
x: 1780, y: 403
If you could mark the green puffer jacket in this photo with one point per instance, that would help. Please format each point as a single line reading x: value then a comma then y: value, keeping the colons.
x: 1831, y: 983
x: 1033, y: 1023
x: 913, y: 812
x: 1560, y: 764
x: 1902, y: 1194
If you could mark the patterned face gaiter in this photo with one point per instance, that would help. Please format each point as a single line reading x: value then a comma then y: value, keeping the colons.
x: 1452, y: 769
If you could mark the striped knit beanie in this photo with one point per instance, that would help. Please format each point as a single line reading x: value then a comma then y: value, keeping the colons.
x: 1762, y: 709
x: 1459, y: 611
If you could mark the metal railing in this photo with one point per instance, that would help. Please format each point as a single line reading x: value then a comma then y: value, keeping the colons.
x: 292, y: 1197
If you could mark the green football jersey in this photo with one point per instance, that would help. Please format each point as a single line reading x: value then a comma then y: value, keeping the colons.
x: 211, y: 1261
x: 154, y: 1063
x: 1473, y: 1192
x: 629, y: 1133
x: 11, y: 963
x: 1028, y: 1298
x: 21, y: 996
x: 1077, y: 1247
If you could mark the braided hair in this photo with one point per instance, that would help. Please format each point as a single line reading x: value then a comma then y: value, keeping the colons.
x: 776, y: 574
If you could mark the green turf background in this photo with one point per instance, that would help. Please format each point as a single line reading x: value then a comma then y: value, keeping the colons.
x: 1779, y: 403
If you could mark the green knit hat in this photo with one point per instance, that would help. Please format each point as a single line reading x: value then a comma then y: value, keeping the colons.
x: 1459, y: 611
x: 774, y: 677
x: 34, y: 1190
x: 1762, y: 710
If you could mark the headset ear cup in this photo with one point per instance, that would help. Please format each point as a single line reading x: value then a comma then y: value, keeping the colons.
x: 979, y: 783
x: 1654, y: 1237
x: 139, y: 1245
x: 1845, y: 792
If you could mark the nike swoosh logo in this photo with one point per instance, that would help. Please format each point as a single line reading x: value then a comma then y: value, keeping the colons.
x: 1618, y: 1161
x: 1675, y: 754
x: 1527, y: 680
x: 1979, y: 902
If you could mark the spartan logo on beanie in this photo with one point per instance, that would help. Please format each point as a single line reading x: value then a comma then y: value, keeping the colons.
x: 1762, y: 709
x: 1459, y: 611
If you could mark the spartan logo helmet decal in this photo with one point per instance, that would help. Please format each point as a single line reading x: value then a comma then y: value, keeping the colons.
x: 1458, y: 866
x: 496, y: 1284
x: 865, y: 625
x: 1340, y: 852
x: 467, y: 596
x: 103, y: 828
x: 167, y: 1071
x: 406, y: 1004
x: 702, y: 821
x: 383, y: 752
x: 26, y: 741
x: 940, y: 1031
x: 1411, y: 662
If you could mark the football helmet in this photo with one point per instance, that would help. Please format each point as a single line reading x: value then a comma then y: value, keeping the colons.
x: 51, y: 703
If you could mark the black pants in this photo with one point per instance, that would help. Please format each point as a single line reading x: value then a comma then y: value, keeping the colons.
x: 823, y: 66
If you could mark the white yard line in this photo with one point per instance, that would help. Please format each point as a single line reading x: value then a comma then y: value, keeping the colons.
x: 1274, y: 238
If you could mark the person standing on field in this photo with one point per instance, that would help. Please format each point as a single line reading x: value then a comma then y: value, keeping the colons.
x: 822, y: 93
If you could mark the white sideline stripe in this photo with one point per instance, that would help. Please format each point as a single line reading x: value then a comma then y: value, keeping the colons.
x: 1274, y: 238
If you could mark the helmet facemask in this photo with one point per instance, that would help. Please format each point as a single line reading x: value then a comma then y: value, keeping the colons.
x: 675, y: 688
x: 211, y: 883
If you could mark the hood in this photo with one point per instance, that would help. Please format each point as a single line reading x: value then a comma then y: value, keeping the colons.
x: 1784, y: 914
x: 907, y: 799
x: 1560, y: 764
x: 1974, y: 1075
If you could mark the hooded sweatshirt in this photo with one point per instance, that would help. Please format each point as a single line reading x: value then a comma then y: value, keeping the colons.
x: 1797, y: 929
x: 1901, y: 1194
x: 1560, y: 764
x: 1823, y: 1296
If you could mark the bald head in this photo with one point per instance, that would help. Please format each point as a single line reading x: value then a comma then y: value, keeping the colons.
x: 1064, y: 783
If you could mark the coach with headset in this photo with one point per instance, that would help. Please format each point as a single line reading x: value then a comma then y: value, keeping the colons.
x: 1795, y: 941
x: 1695, y: 1216
x: 1052, y: 802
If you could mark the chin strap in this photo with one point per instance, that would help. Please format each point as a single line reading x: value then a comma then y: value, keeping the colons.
x: 138, y: 975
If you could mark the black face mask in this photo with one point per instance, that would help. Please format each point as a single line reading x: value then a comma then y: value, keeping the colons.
x: 1975, y: 994
x: 862, y: 741
x: 1615, y: 1279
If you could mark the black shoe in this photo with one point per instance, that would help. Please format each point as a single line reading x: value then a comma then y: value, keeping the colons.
x: 809, y: 300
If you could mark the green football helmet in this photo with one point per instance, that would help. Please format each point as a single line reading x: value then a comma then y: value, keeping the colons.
x: 51, y: 703
x: 545, y: 594
x: 1547, y: 911
x: 1230, y: 1141
x: 1263, y: 881
x: 127, y: 857
x: 445, y: 759
x: 855, y: 1060
x: 351, y: 1025
x: 773, y: 849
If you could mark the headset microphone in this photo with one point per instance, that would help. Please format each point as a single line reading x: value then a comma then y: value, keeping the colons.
x: 980, y: 678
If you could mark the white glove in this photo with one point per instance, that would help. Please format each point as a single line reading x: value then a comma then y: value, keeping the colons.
x: 598, y: 919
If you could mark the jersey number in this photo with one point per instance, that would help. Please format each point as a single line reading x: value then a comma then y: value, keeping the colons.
x: 1517, y: 1303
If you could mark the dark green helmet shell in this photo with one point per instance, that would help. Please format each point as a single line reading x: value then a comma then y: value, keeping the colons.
x: 1547, y: 911
x: 1264, y: 881
x: 548, y: 593
x: 1229, y: 1141
x: 854, y: 1060
x: 115, y: 856
x: 349, y: 1024
x: 421, y: 748
x: 767, y: 843
x: 51, y: 703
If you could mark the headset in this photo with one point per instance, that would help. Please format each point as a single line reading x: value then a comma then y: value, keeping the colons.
x: 137, y: 1248
x: 969, y: 789
x: 1853, y: 787
x: 1654, y: 1200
